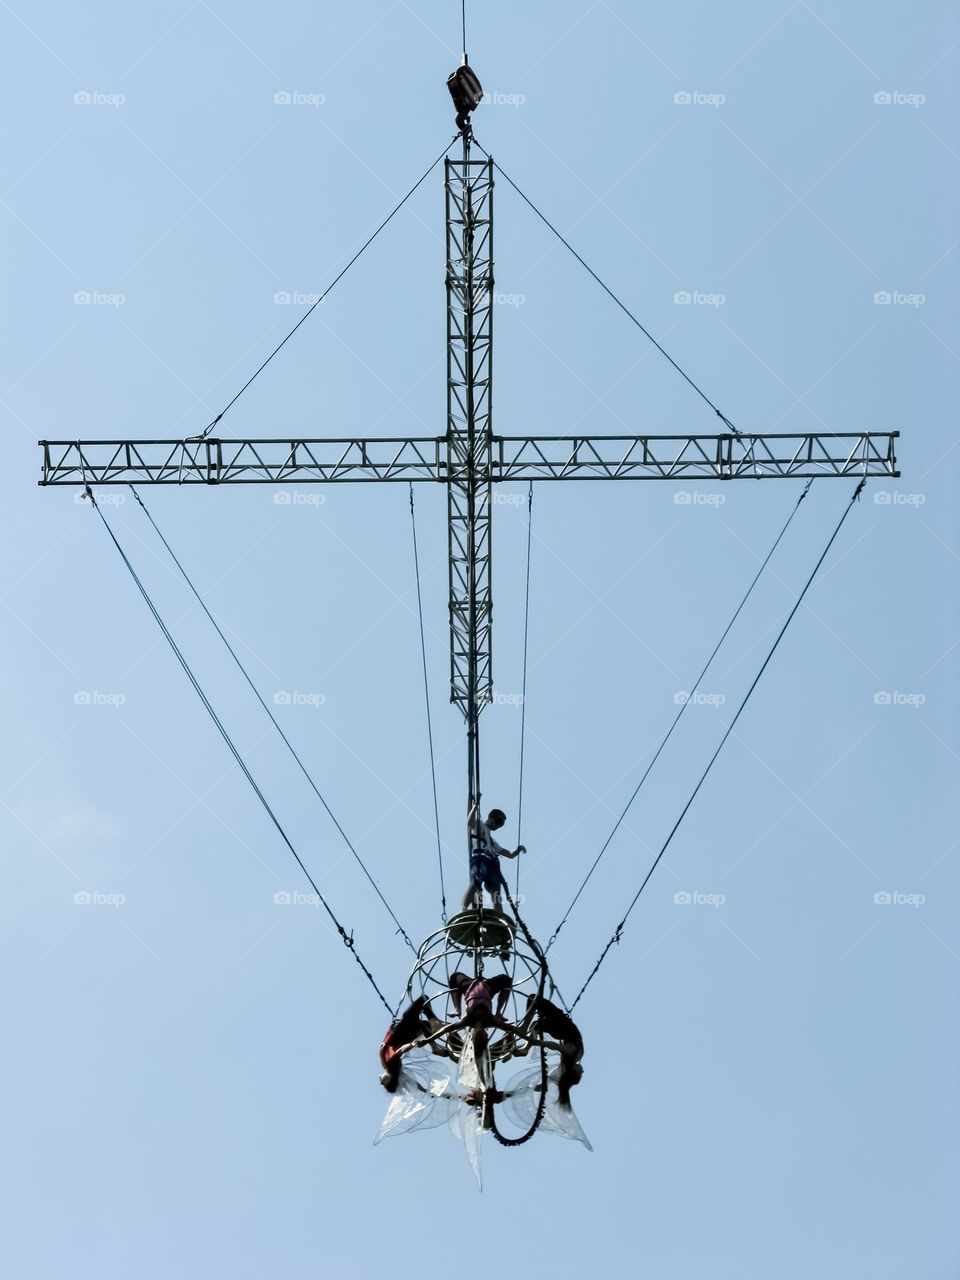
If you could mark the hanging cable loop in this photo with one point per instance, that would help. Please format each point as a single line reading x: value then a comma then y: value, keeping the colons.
x: 538, y: 1115
x: 729, y: 730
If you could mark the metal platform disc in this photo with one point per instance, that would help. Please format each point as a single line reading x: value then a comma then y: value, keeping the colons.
x: 484, y: 930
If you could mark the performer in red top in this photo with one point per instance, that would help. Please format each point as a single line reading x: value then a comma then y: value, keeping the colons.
x: 406, y: 1029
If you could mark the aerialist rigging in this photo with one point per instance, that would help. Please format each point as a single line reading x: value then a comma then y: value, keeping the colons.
x: 481, y: 993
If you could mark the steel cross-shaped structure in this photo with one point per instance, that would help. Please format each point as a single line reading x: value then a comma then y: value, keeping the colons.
x: 469, y: 458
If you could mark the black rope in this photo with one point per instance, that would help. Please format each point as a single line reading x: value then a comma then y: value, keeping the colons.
x: 756, y: 680
x: 607, y: 290
x: 366, y: 244
x: 538, y: 1116
x: 346, y: 938
x: 426, y: 696
x: 542, y: 1104
x: 523, y: 690
x: 677, y: 718
x: 273, y: 720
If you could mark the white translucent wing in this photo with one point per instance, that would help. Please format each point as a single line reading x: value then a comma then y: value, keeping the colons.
x: 523, y: 1097
x: 464, y: 1119
x: 563, y: 1120
x: 423, y: 1100
x: 433, y: 1073
x: 465, y: 1125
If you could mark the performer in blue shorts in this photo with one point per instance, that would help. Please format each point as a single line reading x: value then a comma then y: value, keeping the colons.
x: 485, y: 855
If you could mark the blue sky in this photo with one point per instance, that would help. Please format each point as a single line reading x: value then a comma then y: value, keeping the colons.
x: 190, y: 1078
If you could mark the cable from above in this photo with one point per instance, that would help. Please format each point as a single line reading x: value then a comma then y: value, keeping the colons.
x: 273, y: 720
x: 607, y: 290
x: 617, y: 933
x: 679, y: 716
x: 366, y: 244
x: 346, y: 938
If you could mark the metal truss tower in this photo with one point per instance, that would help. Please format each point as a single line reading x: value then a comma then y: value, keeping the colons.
x: 469, y: 442
x: 469, y: 459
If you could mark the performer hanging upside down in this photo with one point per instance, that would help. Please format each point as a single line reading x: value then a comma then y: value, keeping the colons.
x: 560, y: 1027
x: 417, y: 1020
x: 485, y: 855
x: 473, y: 1004
x: 478, y: 994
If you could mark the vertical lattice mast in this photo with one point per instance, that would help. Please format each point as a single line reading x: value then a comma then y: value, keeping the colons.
x: 469, y: 222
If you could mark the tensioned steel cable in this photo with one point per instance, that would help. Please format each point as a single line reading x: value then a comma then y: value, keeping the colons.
x: 346, y: 938
x: 710, y: 763
x: 366, y: 244
x: 679, y: 716
x: 523, y: 688
x: 273, y: 720
x: 607, y: 290
x: 426, y: 696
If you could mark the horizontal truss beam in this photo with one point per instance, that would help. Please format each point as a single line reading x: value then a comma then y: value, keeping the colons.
x: 694, y: 457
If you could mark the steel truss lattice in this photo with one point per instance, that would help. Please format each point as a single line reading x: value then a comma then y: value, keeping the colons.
x: 469, y: 224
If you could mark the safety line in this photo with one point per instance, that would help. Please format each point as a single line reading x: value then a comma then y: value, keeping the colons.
x: 756, y: 680
x: 426, y: 696
x: 523, y: 690
x: 273, y: 720
x: 346, y: 938
x: 679, y: 716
